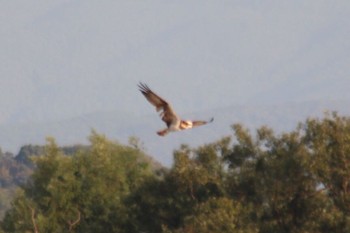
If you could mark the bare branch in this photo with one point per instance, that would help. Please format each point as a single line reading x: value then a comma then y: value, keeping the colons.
x: 72, y: 224
x: 33, y: 220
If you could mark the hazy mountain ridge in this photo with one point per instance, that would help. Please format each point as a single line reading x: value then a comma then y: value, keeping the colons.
x: 119, y: 126
x: 62, y: 59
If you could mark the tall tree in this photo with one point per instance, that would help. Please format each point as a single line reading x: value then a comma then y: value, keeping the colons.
x: 80, y: 193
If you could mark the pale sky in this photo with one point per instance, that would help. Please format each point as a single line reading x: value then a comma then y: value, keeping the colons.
x: 65, y: 58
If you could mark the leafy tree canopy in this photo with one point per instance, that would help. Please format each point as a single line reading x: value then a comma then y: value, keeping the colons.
x: 263, y: 182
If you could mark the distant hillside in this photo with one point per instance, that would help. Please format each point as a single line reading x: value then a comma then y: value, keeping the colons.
x: 120, y: 126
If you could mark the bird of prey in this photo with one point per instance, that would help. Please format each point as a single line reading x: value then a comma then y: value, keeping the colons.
x: 171, y: 119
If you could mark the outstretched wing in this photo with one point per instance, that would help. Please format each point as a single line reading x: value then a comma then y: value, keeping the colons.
x: 199, y: 123
x: 167, y: 114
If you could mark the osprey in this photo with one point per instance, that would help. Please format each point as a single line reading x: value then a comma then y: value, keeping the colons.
x: 173, y: 122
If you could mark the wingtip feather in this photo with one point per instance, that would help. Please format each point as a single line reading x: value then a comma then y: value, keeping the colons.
x: 143, y: 87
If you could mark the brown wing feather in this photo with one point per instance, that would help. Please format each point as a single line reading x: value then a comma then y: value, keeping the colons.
x: 199, y: 123
x: 167, y: 115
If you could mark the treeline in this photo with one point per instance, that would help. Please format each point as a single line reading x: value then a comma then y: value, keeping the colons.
x: 297, y: 181
x: 13, y: 173
x: 16, y: 169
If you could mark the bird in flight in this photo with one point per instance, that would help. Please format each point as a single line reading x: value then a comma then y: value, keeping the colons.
x: 171, y: 119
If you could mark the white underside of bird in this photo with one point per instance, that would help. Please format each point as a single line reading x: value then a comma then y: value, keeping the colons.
x: 177, y: 125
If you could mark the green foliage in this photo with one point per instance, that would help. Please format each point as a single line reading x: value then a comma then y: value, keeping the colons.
x: 12, y: 174
x: 329, y: 144
x: 288, y: 183
x: 5, y: 199
x: 81, y: 193
x: 295, y: 181
x: 216, y: 215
